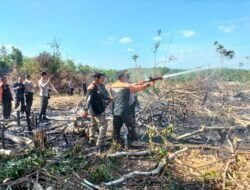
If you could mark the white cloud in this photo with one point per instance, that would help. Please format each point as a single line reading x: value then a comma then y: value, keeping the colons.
x: 109, y: 41
x: 227, y: 29
x: 188, y: 33
x: 157, y: 38
x: 130, y: 50
x: 125, y: 40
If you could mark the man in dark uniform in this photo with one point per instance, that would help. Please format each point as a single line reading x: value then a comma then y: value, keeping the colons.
x: 121, y: 92
x: 97, y: 100
x: 18, y: 88
x: 5, y: 98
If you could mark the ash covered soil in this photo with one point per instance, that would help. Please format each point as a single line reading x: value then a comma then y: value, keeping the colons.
x: 212, y: 120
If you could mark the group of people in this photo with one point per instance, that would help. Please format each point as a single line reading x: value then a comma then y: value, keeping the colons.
x: 122, y: 100
x: 24, y: 91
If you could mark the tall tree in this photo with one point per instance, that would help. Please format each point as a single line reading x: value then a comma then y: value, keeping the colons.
x: 69, y: 64
x: 3, y: 53
x: 57, y: 62
x: 224, y: 53
x: 134, y: 58
x: 45, y: 62
x: 16, y: 57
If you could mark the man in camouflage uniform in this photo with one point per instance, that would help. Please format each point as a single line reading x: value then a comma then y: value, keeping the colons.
x: 97, y: 100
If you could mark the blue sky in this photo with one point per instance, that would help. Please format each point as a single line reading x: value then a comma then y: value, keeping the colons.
x: 106, y: 33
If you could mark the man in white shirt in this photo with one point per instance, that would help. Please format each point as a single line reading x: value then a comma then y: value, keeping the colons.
x: 44, y: 84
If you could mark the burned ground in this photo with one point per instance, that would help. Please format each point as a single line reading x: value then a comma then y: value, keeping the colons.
x: 209, y: 122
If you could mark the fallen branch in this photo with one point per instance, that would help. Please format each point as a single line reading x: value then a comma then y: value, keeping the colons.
x: 204, y: 129
x: 120, y: 154
x: 157, y: 170
x: 240, y: 186
x: 16, y: 139
x: 225, y: 172
x: 4, y: 152
x: 90, y: 185
x: 191, y: 134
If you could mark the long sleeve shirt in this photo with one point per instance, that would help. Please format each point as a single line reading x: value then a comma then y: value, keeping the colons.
x: 19, y: 90
x: 44, y: 87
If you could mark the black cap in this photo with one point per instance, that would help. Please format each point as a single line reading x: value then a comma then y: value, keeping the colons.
x: 122, y: 73
x: 98, y: 75
x: 27, y: 76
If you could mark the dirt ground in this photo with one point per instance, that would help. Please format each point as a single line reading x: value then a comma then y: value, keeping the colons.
x: 217, y: 158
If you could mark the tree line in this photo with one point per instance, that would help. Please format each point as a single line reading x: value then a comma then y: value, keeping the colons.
x: 14, y: 63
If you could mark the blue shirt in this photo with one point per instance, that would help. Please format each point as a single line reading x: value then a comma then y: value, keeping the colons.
x: 19, y: 91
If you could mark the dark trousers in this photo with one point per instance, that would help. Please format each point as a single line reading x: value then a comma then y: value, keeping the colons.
x: 71, y: 91
x: 43, y: 107
x: 129, y: 121
x: 29, y: 101
x: 18, y: 101
x: 6, y: 105
x: 84, y: 88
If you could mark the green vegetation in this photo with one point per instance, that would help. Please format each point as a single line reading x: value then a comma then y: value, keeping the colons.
x: 21, y: 165
x: 220, y: 74
x: 104, y: 171
x: 59, y: 164
x: 64, y: 70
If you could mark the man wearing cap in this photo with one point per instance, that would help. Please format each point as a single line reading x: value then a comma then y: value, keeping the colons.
x: 97, y: 100
x: 121, y: 92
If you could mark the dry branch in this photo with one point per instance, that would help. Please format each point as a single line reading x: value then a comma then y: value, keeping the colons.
x: 120, y: 154
x: 157, y: 170
x: 204, y: 129
x: 4, y: 152
x: 225, y: 172
x: 90, y: 185
x: 17, y: 139
x: 191, y: 134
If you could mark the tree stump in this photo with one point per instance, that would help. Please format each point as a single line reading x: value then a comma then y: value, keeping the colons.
x: 40, y: 139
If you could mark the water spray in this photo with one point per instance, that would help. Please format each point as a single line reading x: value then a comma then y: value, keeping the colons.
x: 152, y: 79
x: 184, y: 72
